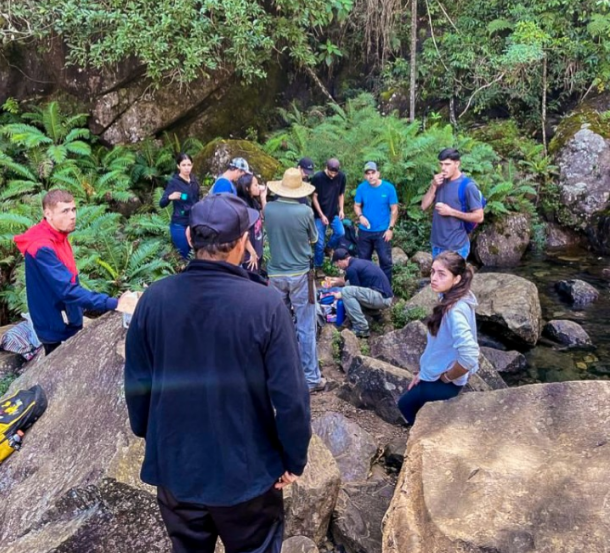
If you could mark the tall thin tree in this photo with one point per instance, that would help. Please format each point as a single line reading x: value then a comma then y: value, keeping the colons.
x: 413, y: 61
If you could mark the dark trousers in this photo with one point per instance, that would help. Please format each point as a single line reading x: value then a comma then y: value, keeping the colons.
x: 178, y: 234
x: 413, y: 400
x: 48, y: 347
x: 373, y: 241
x: 255, y: 526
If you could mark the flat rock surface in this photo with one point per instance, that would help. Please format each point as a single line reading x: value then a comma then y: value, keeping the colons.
x: 512, y: 471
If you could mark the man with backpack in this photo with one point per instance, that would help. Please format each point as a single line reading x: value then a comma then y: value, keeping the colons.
x: 458, y: 206
x: 213, y: 382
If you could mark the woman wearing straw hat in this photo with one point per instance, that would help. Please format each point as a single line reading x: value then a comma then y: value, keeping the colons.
x: 291, y: 231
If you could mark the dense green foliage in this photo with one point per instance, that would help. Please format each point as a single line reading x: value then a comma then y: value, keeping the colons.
x: 179, y: 39
x: 49, y: 149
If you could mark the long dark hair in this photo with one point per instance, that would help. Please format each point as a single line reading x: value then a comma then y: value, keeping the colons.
x: 457, y: 266
x: 243, y: 185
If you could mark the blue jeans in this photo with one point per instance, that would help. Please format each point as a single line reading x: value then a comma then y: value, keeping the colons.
x: 413, y: 400
x: 294, y: 293
x: 338, y: 232
x: 178, y: 234
x: 369, y: 241
x: 464, y: 252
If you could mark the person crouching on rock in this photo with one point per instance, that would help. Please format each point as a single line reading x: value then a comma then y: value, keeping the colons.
x: 452, y: 351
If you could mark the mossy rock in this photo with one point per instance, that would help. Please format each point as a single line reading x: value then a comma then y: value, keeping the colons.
x: 585, y: 116
x: 217, y: 154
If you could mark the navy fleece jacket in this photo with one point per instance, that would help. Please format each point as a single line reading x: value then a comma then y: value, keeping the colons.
x: 214, y: 383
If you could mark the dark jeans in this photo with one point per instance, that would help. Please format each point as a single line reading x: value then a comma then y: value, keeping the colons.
x: 413, y: 400
x: 369, y: 241
x: 49, y: 347
x: 255, y: 526
x: 178, y: 234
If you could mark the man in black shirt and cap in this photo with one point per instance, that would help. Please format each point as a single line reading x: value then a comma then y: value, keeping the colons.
x: 214, y: 383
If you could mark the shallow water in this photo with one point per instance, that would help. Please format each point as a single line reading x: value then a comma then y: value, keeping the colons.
x: 554, y: 364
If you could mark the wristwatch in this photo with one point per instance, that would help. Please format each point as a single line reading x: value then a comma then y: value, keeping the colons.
x: 391, y: 228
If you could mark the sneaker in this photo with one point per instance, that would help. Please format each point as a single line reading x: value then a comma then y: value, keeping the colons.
x: 362, y: 333
x: 319, y: 387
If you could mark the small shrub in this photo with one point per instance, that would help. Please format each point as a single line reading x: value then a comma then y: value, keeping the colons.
x: 402, y: 315
x: 404, y: 280
x: 5, y: 383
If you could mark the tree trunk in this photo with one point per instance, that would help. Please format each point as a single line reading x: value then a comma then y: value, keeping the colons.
x: 545, y: 85
x: 413, y: 61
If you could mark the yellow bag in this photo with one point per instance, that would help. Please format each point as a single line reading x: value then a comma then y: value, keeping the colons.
x: 17, y: 413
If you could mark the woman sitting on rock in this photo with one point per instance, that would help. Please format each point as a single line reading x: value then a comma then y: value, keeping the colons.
x: 183, y: 190
x: 452, y: 351
x: 255, y: 195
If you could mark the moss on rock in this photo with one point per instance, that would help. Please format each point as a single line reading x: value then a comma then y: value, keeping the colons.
x: 585, y: 116
x: 216, y: 155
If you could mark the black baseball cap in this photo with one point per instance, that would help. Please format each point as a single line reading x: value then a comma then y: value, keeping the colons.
x: 340, y: 254
x: 220, y: 219
x: 333, y: 164
x: 306, y: 163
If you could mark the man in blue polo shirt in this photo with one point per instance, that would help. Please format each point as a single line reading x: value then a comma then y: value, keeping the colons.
x: 365, y: 285
x: 238, y: 167
x: 376, y: 207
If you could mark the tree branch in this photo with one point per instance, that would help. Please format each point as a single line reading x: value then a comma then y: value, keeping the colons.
x: 487, y: 85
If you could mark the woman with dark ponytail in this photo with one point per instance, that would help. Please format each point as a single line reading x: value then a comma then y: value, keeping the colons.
x: 183, y: 191
x: 452, y: 351
x: 255, y: 196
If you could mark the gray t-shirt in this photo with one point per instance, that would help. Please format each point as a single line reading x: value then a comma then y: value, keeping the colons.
x: 291, y: 230
x: 448, y: 232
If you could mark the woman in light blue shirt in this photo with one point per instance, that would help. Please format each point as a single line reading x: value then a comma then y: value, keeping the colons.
x: 452, y: 351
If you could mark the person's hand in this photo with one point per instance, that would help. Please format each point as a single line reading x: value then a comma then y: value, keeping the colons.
x: 253, y: 263
x: 285, y: 480
x: 364, y: 221
x: 438, y: 180
x: 128, y: 301
x: 324, y: 220
x: 388, y: 235
x: 341, y: 214
x: 414, y: 382
x: 444, y: 209
x: 263, y: 191
x: 174, y: 196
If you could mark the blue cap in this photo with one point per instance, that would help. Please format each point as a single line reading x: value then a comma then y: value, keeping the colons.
x: 220, y: 219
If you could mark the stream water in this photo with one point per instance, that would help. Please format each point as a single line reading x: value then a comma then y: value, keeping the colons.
x: 549, y: 363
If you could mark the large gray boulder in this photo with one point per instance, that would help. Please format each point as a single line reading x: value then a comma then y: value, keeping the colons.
x: 503, y: 242
x: 299, y: 544
x: 310, y: 501
x: 350, y: 349
x: 403, y: 347
x: 505, y: 361
x: 509, y: 306
x: 75, y: 485
x: 359, y: 513
x: 584, y: 178
x: 578, y: 292
x: 352, y: 447
x: 513, y: 471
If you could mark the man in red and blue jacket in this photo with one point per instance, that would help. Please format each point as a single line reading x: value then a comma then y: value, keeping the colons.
x: 55, y: 298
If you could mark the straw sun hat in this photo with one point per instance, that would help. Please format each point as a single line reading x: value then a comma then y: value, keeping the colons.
x: 291, y: 186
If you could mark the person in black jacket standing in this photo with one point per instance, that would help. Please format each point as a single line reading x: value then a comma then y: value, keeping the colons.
x: 213, y: 382
x: 183, y: 190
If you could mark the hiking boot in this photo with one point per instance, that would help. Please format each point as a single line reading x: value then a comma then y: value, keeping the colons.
x: 362, y: 333
x: 319, y: 387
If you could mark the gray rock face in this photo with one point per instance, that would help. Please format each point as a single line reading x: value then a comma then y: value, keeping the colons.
x: 424, y: 260
x: 578, y: 292
x: 508, y: 306
x: 373, y: 384
x: 310, y: 501
x: 10, y: 363
x: 584, y: 178
x: 598, y: 232
x: 568, y: 333
x: 505, y: 361
x: 560, y: 238
x: 325, y: 344
x: 399, y: 257
x: 403, y: 347
x: 503, y: 243
x: 75, y: 485
x: 351, y: 349
x: 496, y: 472
x: 352, y: 447
x: 299, y: 544
x: 358, y: 515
